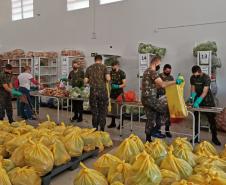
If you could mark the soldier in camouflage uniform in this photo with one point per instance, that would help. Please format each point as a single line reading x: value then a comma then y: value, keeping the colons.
x: 153, y: 105
x: 6, y: 92
x: 201, y: 95
x: 97, y: 76
x: 118, y: 82
x: 76, y: 79
x: 165, y: 76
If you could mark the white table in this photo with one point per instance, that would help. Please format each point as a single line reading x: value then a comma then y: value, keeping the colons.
x: 190, y: 111
x: 59, y: 100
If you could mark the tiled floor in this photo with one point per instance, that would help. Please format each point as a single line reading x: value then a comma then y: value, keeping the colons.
x: 67, y: 177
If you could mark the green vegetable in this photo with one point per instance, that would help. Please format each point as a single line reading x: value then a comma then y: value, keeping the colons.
x: 148, y: 48
x: 207, y: 46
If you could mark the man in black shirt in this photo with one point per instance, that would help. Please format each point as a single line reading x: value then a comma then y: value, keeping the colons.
x: 201, y: 95
x: 76, y: 79
x: 118, y: 82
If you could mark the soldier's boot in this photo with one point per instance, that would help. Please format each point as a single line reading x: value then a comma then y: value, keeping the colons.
x: 112, y: 125
x: 80, y: 117
x: 168, y: 134
x: 148, y: 137
x: 215, y: 140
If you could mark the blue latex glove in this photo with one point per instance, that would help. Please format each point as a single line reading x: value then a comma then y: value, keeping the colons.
x: 197, y: 102
x: 180, y: 79
x: 63, y: 79
x: 192, y: 96
x: 16, y: 93
x: 115, y: 86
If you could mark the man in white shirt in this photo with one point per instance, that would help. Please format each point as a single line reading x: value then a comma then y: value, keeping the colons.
x: 24, y: 82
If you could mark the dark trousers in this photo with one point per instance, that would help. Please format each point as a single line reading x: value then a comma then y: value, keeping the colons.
x: 25, y: 108
x: 6, y: 105
x: 211, y: 120
x: 99, y: 105
x: 78, y: 109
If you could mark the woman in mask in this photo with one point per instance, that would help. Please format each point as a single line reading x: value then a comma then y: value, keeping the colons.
x: 152, y: 104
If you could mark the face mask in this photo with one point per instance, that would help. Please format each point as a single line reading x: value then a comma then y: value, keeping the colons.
x: 198, y: 76
x: 75, y: 68
x: 167, y: 74
x: 113, y: 69
x: 157, y: 67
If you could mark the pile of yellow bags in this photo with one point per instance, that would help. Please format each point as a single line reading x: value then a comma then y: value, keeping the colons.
x: 157, y: 163
x: 33, y: 152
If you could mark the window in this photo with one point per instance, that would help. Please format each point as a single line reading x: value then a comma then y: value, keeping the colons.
x: 77, y: 4
x: 22, y: 9
x: 108, y: 1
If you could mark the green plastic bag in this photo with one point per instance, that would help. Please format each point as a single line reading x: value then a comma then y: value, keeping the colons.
x: 88, y: 176
x: 144, y: 171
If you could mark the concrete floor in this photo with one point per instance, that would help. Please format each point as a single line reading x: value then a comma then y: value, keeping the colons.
x: 67, y: 177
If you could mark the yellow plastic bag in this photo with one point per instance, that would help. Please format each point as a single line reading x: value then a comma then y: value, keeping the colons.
x: 23, y: 129
x: 48, y: 139
x: 127, y: 151
x: 18, y: 155
x: 182, y: 141
x: 223, y: 153
x: 93, y: 139
x: 3, y: 135
x: 105, y: 138
x: 205, y: 148
x: 60, y: 128
x: 175, y: 99
x: 88, y: 176
x: 168, y: 177
x: 4, y: 179
x: 3, y: 151
x: 16, y: 142
x: 73, y: 144
x: 7, y: 164
x: 176, y: 165
x: 24, y: 176
x: 70, y: 129
x: 89, y: 148
x: 182, y: 153
x: 117, y: 183
x: 119, y: 172
x: 212, y: 160
x: 184, y: 182
x: 104, y: 163
x: 18, y: 124
x: 157, y: 150
x: 39, y: 157
x: 47, y: 124
x: 138, y: 142
x: 144, y: 171
x: 60, y: 153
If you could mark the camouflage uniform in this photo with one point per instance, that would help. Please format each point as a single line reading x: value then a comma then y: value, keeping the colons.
x: 76, y: 79
x: 98, y: 94
x: 161, y: 92
x: 152, y: 105
x: 5, y: 98
x: 200, y: 83
x: 117, y: 77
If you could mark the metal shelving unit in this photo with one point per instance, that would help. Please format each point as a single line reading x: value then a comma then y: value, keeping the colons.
x: 46, y: 70
x: 107, y: 58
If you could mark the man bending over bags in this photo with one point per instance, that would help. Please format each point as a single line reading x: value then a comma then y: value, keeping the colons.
x: 153, y: 105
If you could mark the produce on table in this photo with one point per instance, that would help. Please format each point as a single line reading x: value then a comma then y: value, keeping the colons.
x: 79, y: 92
x: 148, y: 48
x: 55, y: 92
